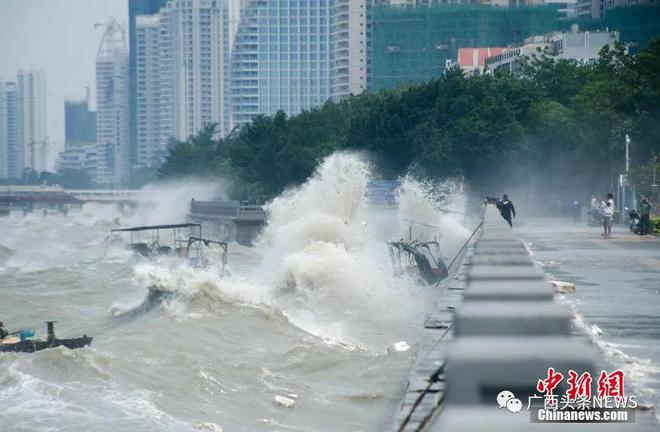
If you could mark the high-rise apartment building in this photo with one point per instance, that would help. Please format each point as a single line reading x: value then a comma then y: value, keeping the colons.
x: 200, y: 49
x: 198, y: 62
x: 9, y: 134
x: 135, y: 8
x: 350, y: 36
x: 4, y: 147
x: 281, y: 58
x: 112, y: 126
x: 32, y: 111
x: 182, y: 63
x: 23, y: 140
x: 152, y: 86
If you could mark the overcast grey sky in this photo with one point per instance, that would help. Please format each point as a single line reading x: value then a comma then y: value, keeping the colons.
x: 59, y: 37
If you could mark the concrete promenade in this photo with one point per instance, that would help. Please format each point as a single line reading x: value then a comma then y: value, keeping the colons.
x: 617, y: 290
x: 499, y: 326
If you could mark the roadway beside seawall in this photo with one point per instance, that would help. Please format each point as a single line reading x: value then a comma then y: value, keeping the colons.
x: 498, y: 327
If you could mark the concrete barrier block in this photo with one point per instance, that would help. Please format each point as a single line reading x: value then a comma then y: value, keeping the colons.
x: 499, y: 242
x: 518, y: 290
x: 497, y: 247
x: 522, y: 318
x: 478, y: 368
x: 495, y: 234
x: 504, y: 272
x: 495, y: 259
x: 485, y: 251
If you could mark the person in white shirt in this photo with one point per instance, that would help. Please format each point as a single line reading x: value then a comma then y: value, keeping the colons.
x: 608, y: 211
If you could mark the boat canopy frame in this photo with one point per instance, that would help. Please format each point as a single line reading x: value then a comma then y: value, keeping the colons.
x: 178, y: 242
x: 430, y: 265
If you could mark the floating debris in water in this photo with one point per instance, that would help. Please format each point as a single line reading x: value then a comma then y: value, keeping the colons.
x: 209, y: 427
x: 563, y: 287
x: 285, y: 401
x: 398, y: 347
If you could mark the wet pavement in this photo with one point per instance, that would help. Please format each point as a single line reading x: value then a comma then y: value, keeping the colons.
x: 617, y: 290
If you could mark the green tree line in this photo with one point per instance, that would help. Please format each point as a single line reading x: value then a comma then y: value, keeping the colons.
x: 559, y: 125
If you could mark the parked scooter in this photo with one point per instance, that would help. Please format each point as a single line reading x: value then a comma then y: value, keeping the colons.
x: 633, y: 221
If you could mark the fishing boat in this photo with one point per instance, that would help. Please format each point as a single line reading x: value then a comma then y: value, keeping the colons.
x: 420, y: 258
x: 181, y: 242
x: 24, y: 341
x: 169, y: 240
x: 155, y: 240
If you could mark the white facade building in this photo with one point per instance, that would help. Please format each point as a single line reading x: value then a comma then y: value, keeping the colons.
x: 5, y: 89
x: 225, y: 61
x: 583, y: 47
x: 79, y: 157
x: 350, y: 35
x: 295, y: 55
x: 182, y: 66
x: 32, y: 116
x: 23, y: 141
x: 112, y: 108
x: 8, y: 130
x: 200, y: 49
x: 152, y: 89
x: 281, y: 58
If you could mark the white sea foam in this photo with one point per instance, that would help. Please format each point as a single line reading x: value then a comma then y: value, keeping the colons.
x: 320, y: 264
x: 429, y: 210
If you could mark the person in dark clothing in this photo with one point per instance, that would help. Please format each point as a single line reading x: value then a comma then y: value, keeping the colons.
x: 644, y: 217
x: 507, y: 209
x: 3, y: 332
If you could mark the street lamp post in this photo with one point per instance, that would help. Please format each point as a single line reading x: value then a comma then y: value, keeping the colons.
x: 627, y: 153
x: 623, y: 180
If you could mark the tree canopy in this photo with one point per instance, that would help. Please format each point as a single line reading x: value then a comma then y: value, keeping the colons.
x: 560, y: 121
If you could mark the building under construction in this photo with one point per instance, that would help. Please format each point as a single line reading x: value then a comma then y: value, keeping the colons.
x: 636, y: 24
x: 415, y: 44
x: 112, y: 167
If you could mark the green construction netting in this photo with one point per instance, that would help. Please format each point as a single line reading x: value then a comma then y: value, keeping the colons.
x: 414, y: 44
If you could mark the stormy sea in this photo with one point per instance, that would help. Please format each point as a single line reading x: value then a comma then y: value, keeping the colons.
x: 307, y: 313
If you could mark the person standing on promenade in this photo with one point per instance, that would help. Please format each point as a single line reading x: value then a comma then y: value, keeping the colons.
x: 644, y: 217
x: 506, y: 209
x: 608, y: 212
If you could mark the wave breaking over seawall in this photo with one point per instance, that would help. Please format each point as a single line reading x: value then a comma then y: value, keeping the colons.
x: 310, y: 310
x: 322, y: 259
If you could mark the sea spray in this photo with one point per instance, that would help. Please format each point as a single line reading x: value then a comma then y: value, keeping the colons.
x: 325, y: 208
x: 164, y: 202
x: 433, y: 211
x: 174, y: 197
x: 319, y: 262
x: 314, y: 305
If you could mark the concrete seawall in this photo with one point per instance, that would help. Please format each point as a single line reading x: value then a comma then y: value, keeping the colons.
x: 229, y: 220
x: 497, y: 327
